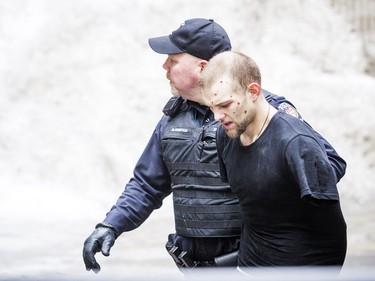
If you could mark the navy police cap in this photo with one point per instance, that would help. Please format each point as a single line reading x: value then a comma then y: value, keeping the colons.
x: 202, y: 38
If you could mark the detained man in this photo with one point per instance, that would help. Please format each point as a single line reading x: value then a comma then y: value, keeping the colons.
x: 279, y: 170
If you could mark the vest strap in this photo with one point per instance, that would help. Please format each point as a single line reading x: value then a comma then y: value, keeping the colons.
x: 203, y: 194
x: 207, y: 209
x: 196, y: 166
x: 208, y: 224
x: 197, y: 181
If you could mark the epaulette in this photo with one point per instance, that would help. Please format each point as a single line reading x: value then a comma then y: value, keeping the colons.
x: 269, y: 97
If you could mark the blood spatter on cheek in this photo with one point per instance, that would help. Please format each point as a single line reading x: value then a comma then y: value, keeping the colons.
x: 238, y: 105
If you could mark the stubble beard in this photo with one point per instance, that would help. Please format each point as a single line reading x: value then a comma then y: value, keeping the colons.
x: 174, y: 91
x: 241, y: 127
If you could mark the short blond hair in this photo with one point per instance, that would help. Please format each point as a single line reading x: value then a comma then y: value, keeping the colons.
x: 241, y: 68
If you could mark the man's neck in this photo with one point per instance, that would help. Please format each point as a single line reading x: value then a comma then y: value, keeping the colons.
x: 256, y: 128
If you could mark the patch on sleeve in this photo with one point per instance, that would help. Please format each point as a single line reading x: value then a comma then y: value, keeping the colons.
x: 289, y: 109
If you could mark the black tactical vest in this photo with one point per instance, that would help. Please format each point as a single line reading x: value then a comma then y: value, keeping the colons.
x: 204, y: 206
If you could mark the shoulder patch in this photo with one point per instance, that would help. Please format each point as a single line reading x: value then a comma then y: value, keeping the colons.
x: 289, y: 109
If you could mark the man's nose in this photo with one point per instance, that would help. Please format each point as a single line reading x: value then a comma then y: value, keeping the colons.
x: 218, y: 115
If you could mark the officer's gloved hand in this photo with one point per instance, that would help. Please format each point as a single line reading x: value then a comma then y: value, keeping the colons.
x: 101, y: 240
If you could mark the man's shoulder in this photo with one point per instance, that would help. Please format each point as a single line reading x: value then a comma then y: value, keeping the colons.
x: 290, y: 121
x: 292, y: 127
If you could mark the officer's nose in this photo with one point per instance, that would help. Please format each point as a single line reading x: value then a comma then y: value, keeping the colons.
x: 165, y: 66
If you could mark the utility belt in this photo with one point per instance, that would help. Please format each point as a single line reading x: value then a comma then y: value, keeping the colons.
x: 184, y: 261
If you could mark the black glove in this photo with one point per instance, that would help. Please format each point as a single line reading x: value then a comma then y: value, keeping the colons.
x: 102, y: 239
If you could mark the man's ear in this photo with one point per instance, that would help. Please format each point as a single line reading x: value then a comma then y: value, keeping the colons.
x: 255, y: 90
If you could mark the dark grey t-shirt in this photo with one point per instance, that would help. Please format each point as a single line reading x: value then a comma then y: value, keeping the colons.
x: 288, y: 196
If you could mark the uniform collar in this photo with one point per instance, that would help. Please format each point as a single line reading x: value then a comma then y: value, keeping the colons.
x: 203, y: 114
x: 202, y: 109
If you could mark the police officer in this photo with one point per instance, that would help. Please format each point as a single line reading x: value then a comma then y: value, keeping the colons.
x: 181, y: 158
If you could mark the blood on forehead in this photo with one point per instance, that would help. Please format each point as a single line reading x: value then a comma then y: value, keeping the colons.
x: 220, y: 91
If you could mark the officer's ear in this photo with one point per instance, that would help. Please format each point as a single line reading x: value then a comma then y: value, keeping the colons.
x: 254, y: 90
x: 203, y: 64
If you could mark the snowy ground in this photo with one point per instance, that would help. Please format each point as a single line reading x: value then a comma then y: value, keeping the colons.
x: 81, y: 92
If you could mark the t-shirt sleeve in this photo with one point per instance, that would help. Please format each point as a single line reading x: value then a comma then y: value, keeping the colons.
x: 282, y: 104
x: 311, y: 169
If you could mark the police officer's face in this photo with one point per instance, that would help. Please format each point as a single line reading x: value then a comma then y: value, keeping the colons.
x: 183, y: 72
